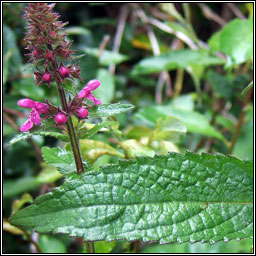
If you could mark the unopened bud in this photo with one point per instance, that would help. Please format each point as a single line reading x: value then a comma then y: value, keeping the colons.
x: 35, y: 54
x: 82, y: 113
x: 63, y: 71
x: 60, y: 118
x: 46, y: 77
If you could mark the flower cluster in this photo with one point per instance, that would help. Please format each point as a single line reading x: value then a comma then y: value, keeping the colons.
x: 48, y: 49
x: 46, y: 43
x: 75, y: 108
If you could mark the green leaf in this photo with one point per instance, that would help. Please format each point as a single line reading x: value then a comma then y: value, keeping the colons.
x: 7, y: 57
x: 102, y: 247
x: 248, y: 87
x: 10, y: 42
x: 133, y: 148
x: 169, y: 128
x: 235, y: 40
x: 50, y: 244
x: 174, y: 198
x: 107, y: 57
x: 220, y: 84
x: 86, y: 134
x: 174, y: 60
x: 45, y: 129
x: 17, y: 204
x: 194, y: 121
x: 28, y: 89
x: 59, y: 158
x: 106, y: 110
x: 106, y: 91
x: 93, y: 149
x: 75, y: 30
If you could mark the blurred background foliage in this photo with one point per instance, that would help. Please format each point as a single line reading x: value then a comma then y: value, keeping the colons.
x: 184, y: 67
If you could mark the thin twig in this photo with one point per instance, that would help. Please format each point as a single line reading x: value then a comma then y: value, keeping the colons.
x: 29, y: 238
x: 235, y: 10
x: 119, y: 33
x: 13, y: 112
x: 240, y: 121
x: 178, y: 34
x: 164, y: 77
x: 211, y: 15
x: 103, y: 45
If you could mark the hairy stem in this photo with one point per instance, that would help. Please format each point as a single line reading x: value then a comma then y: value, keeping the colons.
x: 71, y: 133
x: 240, y: 121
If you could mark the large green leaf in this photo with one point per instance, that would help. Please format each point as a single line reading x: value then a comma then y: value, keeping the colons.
x: 174, y: 60
x: 173, y: 198
x: 235, y: 40
x: 105, y: 110
x: 194, y: 121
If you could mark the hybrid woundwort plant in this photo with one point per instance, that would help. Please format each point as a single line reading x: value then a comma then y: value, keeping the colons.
x: 48, y: 50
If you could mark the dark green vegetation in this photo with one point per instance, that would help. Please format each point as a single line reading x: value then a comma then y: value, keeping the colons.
x: 187, y: 69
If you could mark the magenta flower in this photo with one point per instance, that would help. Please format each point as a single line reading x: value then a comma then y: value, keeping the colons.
x: 60, y: 118
x: 82, y: 113
x: 85, y: 93
x: 34, y: 115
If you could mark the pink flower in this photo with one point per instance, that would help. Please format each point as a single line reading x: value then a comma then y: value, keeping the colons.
x: 86, y: 91
x: 64, y: 72
x: 82, y: 113
x: 34, y: 115
x: 60, y: 118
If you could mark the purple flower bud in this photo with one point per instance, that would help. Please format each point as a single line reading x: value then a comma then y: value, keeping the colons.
x: 60, y: 118
x: 48, y: 55
x: 64, y: 72
x: 35, y: 53
x: 90, y: 86
x: 46, y: 77
x: 52, y: 33
x: 82, y: 113
x: 26, y: 103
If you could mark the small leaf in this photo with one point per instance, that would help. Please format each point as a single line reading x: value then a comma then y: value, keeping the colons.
x: 50, y: 244
x: 106, y: 110
x: 77, y: 31
x: 133, y: 148
x: 107, y: 57
x: 17, y: 204
x: 59, y: 158
x: 169, y: 128
x: 174, y: 198
x: 86, y: 134
x: 92, y: 149
x: 235, y: 40
x: 11, y: 229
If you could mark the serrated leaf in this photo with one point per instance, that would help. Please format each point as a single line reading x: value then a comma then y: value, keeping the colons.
x: 173, y: 198
x: 59, y: 158
x: 106, y: 110
x: 174, y: 60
